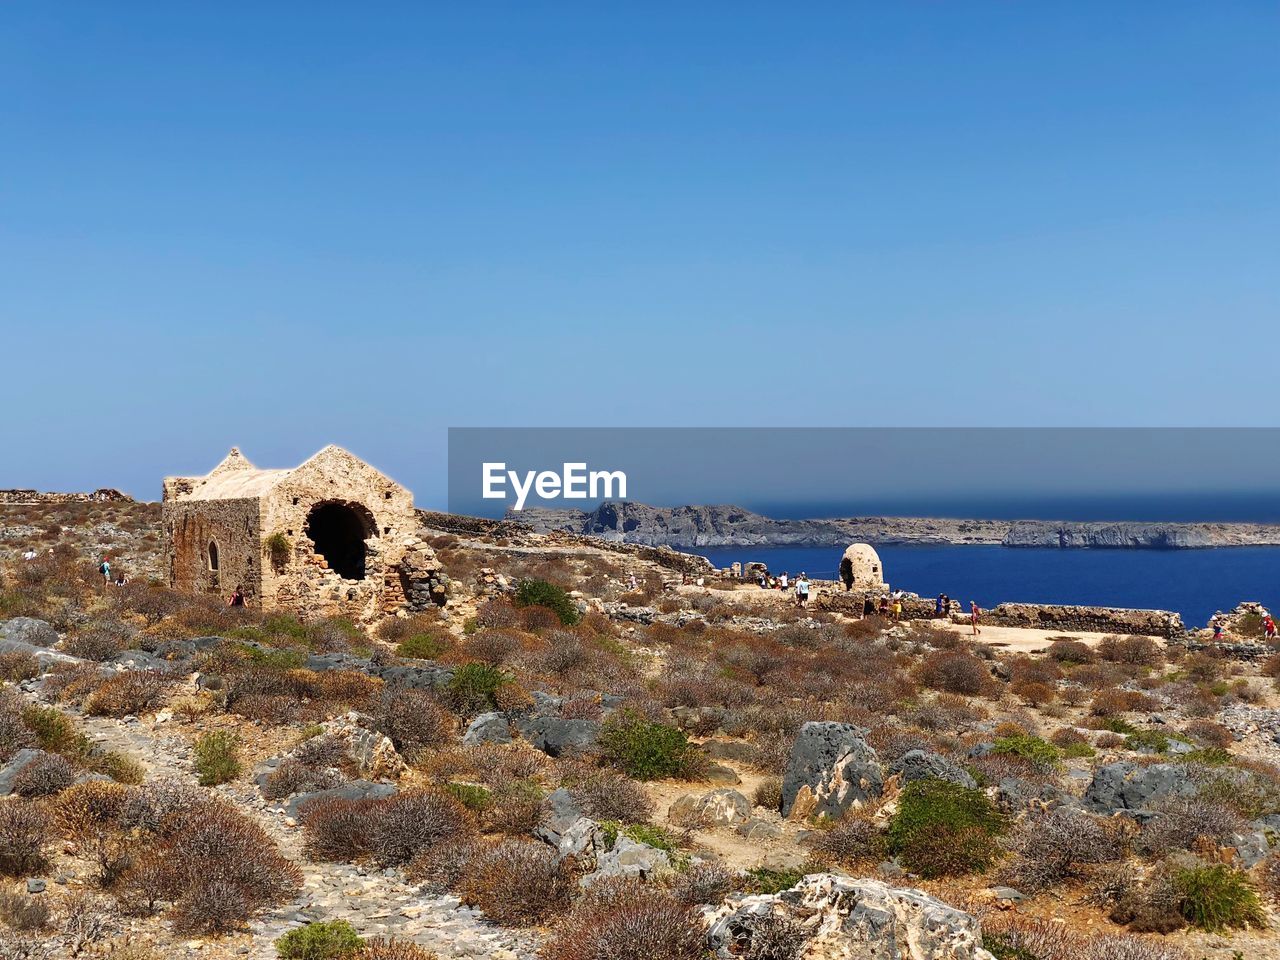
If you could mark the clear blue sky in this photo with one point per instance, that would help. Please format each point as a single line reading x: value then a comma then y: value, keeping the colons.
x: 284, y: 224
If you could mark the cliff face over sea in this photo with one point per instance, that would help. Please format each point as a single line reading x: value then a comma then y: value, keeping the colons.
x: 727, y: 526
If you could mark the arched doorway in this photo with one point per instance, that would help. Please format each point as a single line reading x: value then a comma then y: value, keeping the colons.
x: 338, y: 531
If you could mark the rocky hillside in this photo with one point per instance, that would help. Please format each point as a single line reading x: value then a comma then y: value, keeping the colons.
x: 724, y: 526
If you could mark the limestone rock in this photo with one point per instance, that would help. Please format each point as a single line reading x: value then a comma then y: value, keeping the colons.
x: 489, y: 727
x: 849, y: 919
x: 556, y: 737
x: 831, y: 769
x: 355, y: 790
x: 37, y: 633
x: 922, y: 765
x: 9, y: 772
x: 628, y: 858
x: 718, y: 808
x: 374, y: 753
x: 1130, y: 786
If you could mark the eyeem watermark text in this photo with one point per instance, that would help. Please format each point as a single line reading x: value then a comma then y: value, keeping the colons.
x: 573, y: 482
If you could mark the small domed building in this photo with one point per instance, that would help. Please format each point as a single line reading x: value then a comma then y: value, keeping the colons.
x: 861, y: 570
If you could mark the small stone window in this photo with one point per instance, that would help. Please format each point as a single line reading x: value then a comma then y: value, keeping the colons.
x: 213, y: 556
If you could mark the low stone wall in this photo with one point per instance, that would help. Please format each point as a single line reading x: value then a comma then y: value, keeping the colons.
x: 836, y: 599
x: 1112, y: 620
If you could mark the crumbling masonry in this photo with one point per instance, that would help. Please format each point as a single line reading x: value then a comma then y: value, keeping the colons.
x: 331, y: 537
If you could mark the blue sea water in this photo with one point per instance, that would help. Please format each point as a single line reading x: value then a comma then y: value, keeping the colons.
x: 1196, y: 583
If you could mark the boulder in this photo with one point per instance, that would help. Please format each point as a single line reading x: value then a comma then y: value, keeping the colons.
x: 489, y: 727
x: 565, y: 828
x: 922, y: 765
x: 556, y: 737
x: 718, y: 808
x: 373, y: 752
x: 851, y: 919
x: 831, y: 769
x: 628, y: 858
x: 355, y: 790
x: 1131, y: 786
x: 424, y: 676
x: 9, y: 772
x: 28, y: 630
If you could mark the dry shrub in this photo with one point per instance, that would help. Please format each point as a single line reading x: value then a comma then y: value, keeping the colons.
x: 100, y: 641
x: 517, y: 883
x: 1208, y: 733
x: 1067, y: 737
x: 43, y: 775
x: 381, y: 949
x: 1056, y: 846
x: 25, y: 832
x: 350, y: 688
x: 1181, y: 823
x: 702, y: 883
x: 16, y: 666
x: 293, y: 776
x: 412, y: 719
x: 217, y: 867
x: 439, y: 868
x: 605, y: 795
x: 1110, y: 703
x: 127, y: 692
x: 1070, y: 652
x: 628, y: 920
x: 954, y: 671
x: 20, y: 911
x: 855, y: 840
x: 497, y: 613
x: 1134, y: 650
x: 493, y: 647
x: 1033, y: 692
x: 1020, y: 937
x: 388, y: 830
x: 516, y: 809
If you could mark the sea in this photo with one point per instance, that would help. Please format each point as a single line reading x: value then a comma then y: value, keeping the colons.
x: 1195, y: 583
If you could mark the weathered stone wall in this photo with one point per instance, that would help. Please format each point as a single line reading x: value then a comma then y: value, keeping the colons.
x: 233, y: 525
x: 1112, y: 620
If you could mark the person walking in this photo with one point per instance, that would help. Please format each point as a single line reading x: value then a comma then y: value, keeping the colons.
x: 104, y: 568
x: 975, y: 612
x: 868, y: 608
x: 1269, y: 627
x: 937, y: 607
x: 802, y: 590
x: 897, y: 609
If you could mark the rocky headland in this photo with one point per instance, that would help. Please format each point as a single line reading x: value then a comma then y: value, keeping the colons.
x: 731, y: 526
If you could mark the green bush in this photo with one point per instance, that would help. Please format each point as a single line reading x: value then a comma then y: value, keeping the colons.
x: 472, y: 796
x: 1039, y: 752
x: 943, y: 829
x: 645, y: 750
x: 1117, y: 725
x: 279, y: 548
x: 55, y: 732
x: 763, y: 880
x: 319, y: 941
x: 1218, y: 898
x: 540, y: 593
x: 1078, y: 751
x: 474, y: 687
x: 644, y: 833
x: 217, y: 757
x: 1208, y: 756
x: 422, y: 646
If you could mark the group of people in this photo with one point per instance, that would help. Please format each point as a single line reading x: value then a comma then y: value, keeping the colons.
x: 767, y: 581
x: 108, y: 579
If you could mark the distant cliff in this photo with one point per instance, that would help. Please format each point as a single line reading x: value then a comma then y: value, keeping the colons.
x: 729, y: 526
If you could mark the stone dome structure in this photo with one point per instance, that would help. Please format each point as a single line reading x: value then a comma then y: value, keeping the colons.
x: 860, y: 567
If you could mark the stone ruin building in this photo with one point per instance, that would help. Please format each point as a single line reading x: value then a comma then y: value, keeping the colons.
x: 861, y: 566
x: 331, y: 537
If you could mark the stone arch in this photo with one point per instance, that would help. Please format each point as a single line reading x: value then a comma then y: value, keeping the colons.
x: 213, y: 558
x: 338, y: 530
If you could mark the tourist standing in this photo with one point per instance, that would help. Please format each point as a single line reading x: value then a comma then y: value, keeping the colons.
x: 975, y: 612
x: 1269, y: 627
x: 883, y: 609
x: 802, y: 590
x: 868, y: 608
x: 104, y: 568
x: 937, y: 607
x: 897, y: 609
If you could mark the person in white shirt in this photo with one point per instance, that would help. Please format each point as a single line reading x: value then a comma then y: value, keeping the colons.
x: 802, y: 590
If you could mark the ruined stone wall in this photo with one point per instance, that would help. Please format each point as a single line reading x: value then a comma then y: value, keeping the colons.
x: 1111, y: 620
x: 305, y: 582
x: 190, y: 526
